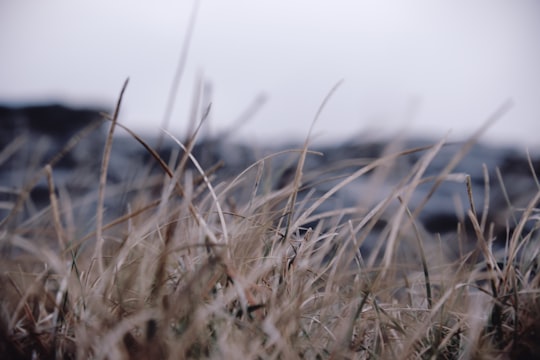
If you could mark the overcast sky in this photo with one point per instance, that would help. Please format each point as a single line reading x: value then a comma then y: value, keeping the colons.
x: 419, y: 66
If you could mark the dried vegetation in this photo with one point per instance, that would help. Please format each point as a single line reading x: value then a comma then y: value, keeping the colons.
x: 190, y: 271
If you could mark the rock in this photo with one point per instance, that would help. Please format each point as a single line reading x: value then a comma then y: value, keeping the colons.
x: 44, y: 130
x: 48, y: 128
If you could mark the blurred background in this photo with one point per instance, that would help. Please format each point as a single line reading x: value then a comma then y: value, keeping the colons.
x: 423, y: 68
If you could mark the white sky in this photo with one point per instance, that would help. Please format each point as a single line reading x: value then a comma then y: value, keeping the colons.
x: 454, y: 62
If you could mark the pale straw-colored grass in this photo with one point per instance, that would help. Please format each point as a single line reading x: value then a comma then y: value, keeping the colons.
x: 204, y: 267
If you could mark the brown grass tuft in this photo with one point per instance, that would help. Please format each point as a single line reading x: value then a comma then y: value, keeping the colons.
x: 192, y: 270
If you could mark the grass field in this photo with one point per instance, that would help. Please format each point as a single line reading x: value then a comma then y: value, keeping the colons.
x: 191, y: 271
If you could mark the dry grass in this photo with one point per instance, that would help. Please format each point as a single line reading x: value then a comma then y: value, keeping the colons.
x: 195, y: 270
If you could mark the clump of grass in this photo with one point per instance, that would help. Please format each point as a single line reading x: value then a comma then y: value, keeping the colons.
x: 190, y: 271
